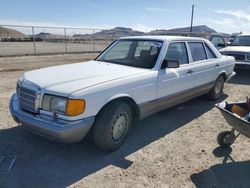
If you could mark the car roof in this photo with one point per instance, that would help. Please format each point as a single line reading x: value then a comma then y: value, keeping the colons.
x: 163, y: 38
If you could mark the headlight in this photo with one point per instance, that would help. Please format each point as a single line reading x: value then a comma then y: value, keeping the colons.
x: 62, y: 105
x: 58, y: 105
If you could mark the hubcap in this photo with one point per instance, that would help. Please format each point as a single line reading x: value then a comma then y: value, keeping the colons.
x: 120, y: 126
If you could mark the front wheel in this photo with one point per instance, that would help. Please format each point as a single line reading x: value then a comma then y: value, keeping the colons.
x: 112, y: 126
x: 217, y: 90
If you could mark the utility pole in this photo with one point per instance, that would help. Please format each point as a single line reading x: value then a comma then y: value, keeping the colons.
x: 192, y: 17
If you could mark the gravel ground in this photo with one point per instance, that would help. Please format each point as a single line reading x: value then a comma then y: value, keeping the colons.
x: 174, y: 148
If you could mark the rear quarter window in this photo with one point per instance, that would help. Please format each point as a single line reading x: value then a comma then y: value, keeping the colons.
x: 210, y: 53
x: 197, y: 51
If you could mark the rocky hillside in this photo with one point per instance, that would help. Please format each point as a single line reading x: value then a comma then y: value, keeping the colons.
x: 48, y: 36
x: 196, y: 29
x: 111, y: 33
x: 106, y: 34
x: 11, y: 33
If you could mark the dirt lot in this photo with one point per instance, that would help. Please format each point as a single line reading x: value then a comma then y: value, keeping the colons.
x: 174, y: 148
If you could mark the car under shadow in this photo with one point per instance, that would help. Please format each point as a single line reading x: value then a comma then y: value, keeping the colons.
x: 45, y: 163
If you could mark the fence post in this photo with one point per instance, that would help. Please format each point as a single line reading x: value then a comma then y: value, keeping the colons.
x: 93, y: 40
x: 34, y: 42
x: 65, y: 41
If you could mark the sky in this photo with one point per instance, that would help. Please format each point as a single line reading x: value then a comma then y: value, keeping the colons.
x: 144, y: 15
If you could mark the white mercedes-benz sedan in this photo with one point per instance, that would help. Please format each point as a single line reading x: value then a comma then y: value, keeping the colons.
x: 133, y: 78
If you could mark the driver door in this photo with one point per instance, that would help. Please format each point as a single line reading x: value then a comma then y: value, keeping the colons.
x: 175, y: 84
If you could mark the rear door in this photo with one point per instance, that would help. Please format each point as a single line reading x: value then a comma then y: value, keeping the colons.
x: 204, y: 62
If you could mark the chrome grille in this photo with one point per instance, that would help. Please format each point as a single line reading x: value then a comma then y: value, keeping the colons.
x: 27, y: 96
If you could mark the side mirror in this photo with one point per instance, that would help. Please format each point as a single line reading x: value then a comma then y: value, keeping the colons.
x: 170, y: 64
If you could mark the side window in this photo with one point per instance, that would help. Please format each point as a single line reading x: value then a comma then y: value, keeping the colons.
x: 210, y: 54
x: 197, y: 51
x: 177, y: 51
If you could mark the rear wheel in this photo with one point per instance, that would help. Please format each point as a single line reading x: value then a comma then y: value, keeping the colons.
x: 217, y: 90
x: 112, y: 126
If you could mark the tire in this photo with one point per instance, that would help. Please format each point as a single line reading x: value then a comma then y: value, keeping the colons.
x: 225, y: 138
x: 216, y: 92
x: 112, y: 126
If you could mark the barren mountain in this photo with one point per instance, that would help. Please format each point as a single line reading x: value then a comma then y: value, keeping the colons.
x: 107, y: 33
x: 195, y: 29
x: 111, y: 33
x: 11, y: 33
x: 48, y: 36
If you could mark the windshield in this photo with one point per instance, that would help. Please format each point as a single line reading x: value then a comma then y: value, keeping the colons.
x: 135, y: 53
x: 241, y: 41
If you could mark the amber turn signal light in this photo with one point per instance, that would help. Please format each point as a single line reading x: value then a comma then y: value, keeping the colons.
x: 75, y: 107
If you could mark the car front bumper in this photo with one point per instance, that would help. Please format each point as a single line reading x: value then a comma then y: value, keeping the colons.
x: 49, y: 127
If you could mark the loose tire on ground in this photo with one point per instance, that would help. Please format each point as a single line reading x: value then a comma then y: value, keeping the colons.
x: 226, y: 138
x: 112, y: 126
x: 217, y: 90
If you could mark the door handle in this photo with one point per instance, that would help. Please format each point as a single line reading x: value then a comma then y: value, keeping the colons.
x: 190, y: 71
x: 217, y: 65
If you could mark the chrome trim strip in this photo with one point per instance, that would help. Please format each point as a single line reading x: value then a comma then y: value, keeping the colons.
x: 148, y: 108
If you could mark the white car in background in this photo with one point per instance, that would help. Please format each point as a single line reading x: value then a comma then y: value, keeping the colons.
x: 133, y: 78
x: 240, y: 50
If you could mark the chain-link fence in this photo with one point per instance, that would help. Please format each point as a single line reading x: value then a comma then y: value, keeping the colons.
x: 33, y: 40
x: 36, y: 40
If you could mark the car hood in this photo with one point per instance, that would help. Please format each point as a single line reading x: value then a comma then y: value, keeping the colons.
x: 243, y: 49
x: 66, y: 79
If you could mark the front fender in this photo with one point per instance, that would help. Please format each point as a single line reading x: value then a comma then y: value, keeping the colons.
x: 117, y: 96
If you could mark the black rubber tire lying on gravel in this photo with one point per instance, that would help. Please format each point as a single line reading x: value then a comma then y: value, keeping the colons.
x: 112, y: 126
x: 216, y: 92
